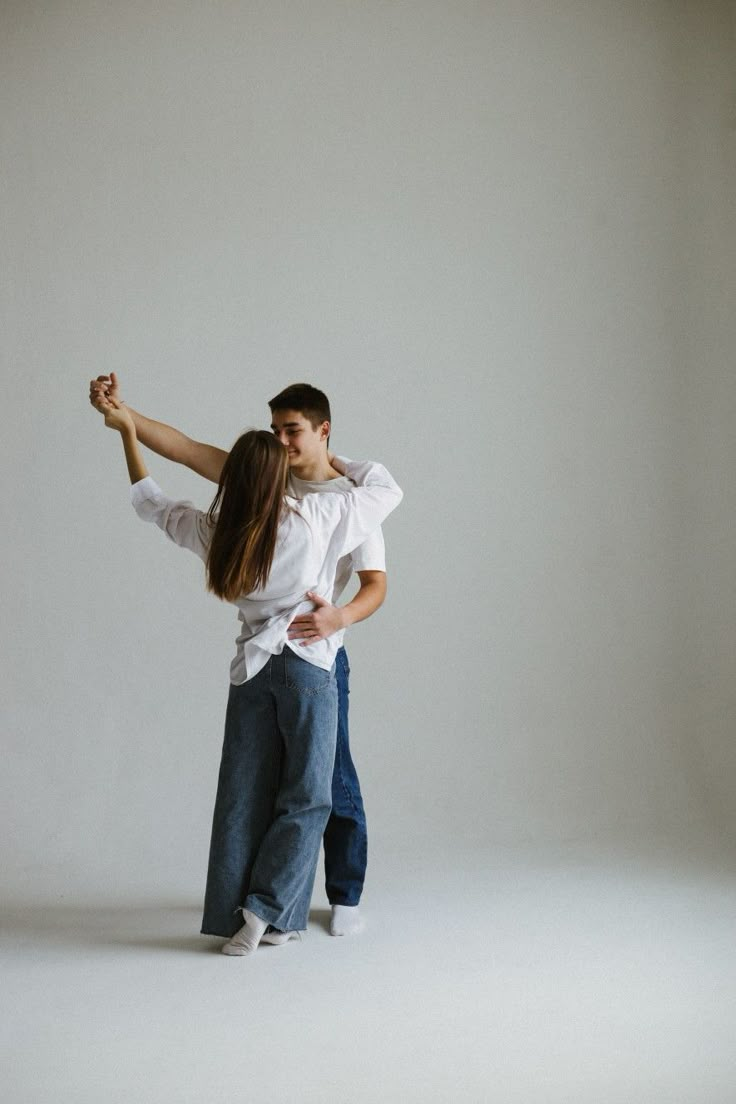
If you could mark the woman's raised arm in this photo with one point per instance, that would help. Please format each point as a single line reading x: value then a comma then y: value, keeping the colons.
x: 180, y: 521
x: 117, y: 416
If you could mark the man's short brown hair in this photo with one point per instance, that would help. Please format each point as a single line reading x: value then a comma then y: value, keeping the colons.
x: 306, y: 400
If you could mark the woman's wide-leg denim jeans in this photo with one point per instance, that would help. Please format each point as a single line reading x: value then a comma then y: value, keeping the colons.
x: 273, y: 796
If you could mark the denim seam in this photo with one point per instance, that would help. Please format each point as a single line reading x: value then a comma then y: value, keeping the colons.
x: 308, y: 691
x: 338, y: 762
x: 347, y: 793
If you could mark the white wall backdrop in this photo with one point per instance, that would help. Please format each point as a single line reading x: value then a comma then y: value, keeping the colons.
x: 500, y: 236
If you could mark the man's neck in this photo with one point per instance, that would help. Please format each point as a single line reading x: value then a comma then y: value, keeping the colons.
x: 320, y: 471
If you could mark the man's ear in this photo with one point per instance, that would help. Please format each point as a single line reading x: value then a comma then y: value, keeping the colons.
x: 325, y: 431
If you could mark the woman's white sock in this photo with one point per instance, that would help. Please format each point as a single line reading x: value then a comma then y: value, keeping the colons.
x: 249, y: 936
x: 277, y: 938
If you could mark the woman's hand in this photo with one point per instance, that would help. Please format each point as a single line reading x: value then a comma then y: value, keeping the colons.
x: 116, y: 414
x: 335, y: 463
x: 104, y: 387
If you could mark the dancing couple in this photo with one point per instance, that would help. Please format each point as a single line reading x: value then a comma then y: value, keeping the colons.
x: 289, y: 524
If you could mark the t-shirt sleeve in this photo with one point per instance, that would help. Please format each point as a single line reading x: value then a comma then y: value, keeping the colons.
x: 371, y: 554
x: 182, y: 522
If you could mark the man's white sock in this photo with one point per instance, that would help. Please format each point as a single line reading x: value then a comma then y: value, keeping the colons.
x: 346, y: 920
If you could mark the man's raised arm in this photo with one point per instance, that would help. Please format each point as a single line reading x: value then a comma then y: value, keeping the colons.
x: 205, y: 460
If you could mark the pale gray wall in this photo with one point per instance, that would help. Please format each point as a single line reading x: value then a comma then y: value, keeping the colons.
x: 500, y: 235
x: 707, y: 347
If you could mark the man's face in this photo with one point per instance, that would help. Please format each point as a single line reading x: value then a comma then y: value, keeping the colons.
x: 304, y: 444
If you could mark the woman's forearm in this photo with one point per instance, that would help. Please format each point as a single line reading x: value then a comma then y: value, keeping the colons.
x: 133, y: 456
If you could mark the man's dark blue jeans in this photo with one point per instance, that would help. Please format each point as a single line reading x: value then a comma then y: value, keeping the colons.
x: 346, y: 837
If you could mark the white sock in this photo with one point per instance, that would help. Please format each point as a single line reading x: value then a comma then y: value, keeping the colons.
x: 346, y: 920
x: 249, y: 936
x: 276, y: 938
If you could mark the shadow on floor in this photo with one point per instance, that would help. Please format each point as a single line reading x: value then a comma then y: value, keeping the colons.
x: 162, y: 926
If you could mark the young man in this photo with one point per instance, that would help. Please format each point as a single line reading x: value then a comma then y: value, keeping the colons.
x: 301, y: 419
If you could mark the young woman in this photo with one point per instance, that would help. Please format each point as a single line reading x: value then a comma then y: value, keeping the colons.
x: 267, y: 554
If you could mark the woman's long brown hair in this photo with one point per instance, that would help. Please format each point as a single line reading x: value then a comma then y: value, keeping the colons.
x: 250, y: 500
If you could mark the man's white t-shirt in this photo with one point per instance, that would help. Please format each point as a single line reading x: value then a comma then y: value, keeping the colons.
x: 369, y: 556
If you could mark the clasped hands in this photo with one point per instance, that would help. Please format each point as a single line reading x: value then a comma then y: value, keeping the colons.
x: 104, y: 395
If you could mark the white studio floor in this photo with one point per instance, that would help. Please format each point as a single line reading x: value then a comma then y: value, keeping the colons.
x: 592, y: 973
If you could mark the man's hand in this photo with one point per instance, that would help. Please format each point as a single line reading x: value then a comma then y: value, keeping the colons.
x: 104, y: 387
x: 322, y: 622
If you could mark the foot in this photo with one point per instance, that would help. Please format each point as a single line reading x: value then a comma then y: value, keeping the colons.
x: 346, y: 920
x: 249, y: 936
x: 276, y: 938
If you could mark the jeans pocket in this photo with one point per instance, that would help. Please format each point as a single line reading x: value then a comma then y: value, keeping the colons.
x: 304, y: 676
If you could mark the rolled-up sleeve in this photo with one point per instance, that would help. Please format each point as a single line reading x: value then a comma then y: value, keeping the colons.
x: 182, y: 522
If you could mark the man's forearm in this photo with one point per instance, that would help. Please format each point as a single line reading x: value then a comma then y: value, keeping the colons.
x: 368, y: 599
x: 171, y: 443
x: 163, y: 439
x: 327, y: 619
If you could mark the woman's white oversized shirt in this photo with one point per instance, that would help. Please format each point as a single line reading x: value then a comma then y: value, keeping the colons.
x: 314, y: 533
